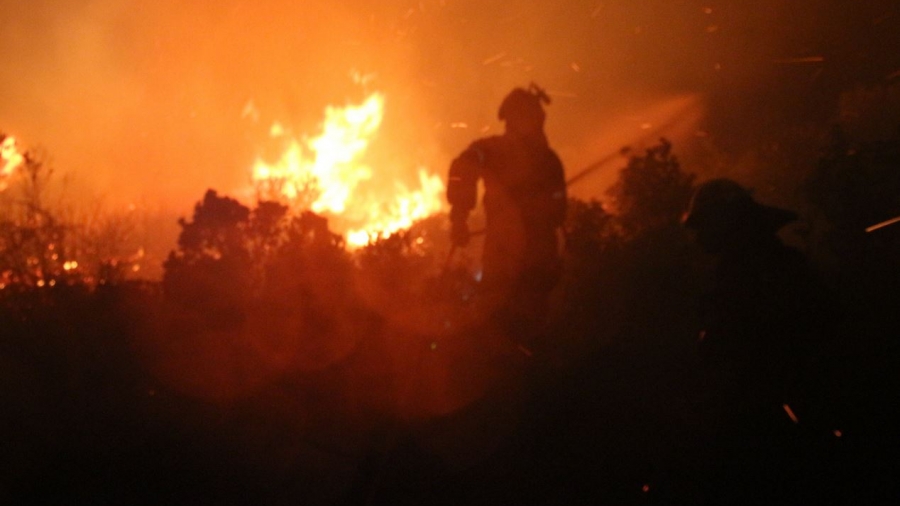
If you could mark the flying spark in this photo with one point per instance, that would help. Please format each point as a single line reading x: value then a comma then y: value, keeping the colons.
x: 804, y: 59
x: 250, y: 111
x: 493, y: 59
x: 883, y: 224
x: 790, y: 413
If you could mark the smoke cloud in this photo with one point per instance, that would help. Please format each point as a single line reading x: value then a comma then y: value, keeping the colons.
x: 157, y: 101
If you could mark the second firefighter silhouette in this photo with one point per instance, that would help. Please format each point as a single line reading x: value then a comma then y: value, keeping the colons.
x: 524, y: 203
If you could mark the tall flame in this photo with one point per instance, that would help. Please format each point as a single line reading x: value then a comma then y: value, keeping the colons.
x: 10, y: 159
x: 327, y: 174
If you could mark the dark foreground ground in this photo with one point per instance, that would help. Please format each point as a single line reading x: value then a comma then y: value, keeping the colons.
x: 86, y: 422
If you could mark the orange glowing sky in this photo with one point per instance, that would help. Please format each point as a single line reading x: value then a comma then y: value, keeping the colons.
x: 157, y: 101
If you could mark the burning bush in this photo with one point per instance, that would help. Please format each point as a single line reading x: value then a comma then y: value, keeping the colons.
x: 45, y: 241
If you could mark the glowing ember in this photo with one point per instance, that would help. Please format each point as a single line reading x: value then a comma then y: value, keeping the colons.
x: 328, y: 175
x: 790, y: 413
x: 883, y: 224
x: 10, y: 159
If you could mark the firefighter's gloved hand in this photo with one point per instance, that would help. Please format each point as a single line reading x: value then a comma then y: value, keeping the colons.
x: 459, y: 233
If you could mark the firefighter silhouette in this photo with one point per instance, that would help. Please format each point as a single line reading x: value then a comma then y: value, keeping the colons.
x: 763, y: 316
x: 524, y: 203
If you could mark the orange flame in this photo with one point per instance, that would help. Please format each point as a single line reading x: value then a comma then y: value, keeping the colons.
x: 10, y: 159
x: 328, y: 175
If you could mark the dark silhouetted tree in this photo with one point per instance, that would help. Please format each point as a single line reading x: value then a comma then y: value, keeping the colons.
x: 652, y: 191
x: 624, y: 265
x: 232, y: 259
x: 590, y: 229
x: 211, y: 270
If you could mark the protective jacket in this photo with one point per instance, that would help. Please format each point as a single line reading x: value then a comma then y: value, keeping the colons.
x: 524, y: 201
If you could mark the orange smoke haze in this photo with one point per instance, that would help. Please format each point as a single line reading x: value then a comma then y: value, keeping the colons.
x: 156, y: 101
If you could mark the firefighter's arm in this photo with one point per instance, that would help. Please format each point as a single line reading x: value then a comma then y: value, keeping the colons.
x: 462, y: 191
x: 559, y: 195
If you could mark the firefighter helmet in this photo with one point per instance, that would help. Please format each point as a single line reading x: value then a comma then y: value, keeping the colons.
x: 724, y: 205
x: 523, y: 103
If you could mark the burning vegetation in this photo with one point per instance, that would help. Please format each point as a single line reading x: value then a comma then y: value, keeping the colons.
x: 46, y: 242
x: 10, y: 157
x: 314, y: 336
x: 328, y: 174
x: 359, y: 362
